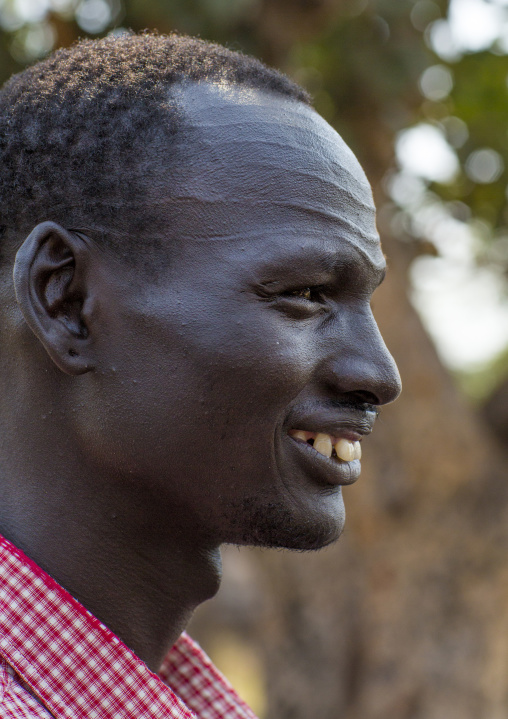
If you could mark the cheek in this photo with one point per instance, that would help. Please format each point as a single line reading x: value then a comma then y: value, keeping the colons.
x: 260, y: 364
x: 199, y: 389
x: 219, y: 347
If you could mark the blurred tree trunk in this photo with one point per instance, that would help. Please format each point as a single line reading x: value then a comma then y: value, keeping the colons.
x: 495, y: 412
x: 407, y: 616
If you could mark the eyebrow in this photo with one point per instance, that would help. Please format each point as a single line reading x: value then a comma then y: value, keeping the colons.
x: 316, y: 265
x: 301, y: 262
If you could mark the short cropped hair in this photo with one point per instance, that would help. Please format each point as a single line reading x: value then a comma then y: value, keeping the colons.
x: 74, y: 126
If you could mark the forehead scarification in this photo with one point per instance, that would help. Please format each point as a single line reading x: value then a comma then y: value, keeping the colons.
x: 248, y: 154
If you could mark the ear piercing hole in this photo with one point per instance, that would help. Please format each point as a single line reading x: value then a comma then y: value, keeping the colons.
x: 73, y: 353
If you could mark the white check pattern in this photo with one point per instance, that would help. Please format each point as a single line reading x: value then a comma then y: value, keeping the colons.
x: 58, y: 660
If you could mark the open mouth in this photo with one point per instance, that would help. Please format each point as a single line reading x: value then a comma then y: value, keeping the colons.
x: 338, y: 448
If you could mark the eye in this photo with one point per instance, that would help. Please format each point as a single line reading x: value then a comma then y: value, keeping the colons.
x: 309, y: 294
x: 300, y: 302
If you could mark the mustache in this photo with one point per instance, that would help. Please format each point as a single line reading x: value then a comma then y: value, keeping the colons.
x: 332, y: 416
x: 356, y: 405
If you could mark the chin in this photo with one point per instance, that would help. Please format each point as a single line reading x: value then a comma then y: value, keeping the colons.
x: 274, y: 525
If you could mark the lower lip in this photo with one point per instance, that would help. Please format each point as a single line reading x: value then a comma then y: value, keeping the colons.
x: 324, y: 470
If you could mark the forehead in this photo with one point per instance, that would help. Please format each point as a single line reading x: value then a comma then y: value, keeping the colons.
x: 250, y: 164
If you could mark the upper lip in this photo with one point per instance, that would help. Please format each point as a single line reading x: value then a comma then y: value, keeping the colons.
x: 352, y: 423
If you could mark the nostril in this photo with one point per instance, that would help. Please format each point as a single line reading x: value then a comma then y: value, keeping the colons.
x: 363, y: 397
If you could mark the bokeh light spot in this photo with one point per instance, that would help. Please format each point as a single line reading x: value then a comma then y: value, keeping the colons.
x: 484, y: 166
x: 423, y: 151
x: 457, y: 132
x: 423, y: 13
x: 93, y: 16
x: 436, y: 82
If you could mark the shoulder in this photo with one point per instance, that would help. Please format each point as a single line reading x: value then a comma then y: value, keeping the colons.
x: 16, y: 700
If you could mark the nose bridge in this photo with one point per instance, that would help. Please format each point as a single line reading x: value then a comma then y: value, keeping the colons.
x: 358, y: 360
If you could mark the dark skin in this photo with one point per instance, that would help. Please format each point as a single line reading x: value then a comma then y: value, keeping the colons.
x: 147, y: 420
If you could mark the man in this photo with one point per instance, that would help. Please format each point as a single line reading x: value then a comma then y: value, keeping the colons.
x: 188, y: 357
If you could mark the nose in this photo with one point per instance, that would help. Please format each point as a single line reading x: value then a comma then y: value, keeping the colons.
x: 358, y: 365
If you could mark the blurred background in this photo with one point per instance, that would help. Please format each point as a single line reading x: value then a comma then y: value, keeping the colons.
x: 407, y: 616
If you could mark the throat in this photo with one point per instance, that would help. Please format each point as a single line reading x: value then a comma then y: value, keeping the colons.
x: 157, y: 600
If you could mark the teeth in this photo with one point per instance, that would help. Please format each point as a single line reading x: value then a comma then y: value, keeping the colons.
x: 358, y: 450
x: 299, y: 434
x: 323, y: 444
x: 347, y: 450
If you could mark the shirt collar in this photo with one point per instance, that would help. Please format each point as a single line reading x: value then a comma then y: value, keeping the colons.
x: 80, y: 670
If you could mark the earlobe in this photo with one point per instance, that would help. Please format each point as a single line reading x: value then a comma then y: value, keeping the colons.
x: 50, y: 281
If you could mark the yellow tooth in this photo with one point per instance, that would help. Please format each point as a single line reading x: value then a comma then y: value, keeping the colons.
x: 358, y: 450
x: 299, y: 434
x: 346, y: 450
x: 323, y: 444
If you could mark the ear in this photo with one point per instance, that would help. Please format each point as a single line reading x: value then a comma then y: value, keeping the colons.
x: 51, y: 274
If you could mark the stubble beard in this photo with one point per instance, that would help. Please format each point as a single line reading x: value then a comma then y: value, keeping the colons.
x: 272, y: 525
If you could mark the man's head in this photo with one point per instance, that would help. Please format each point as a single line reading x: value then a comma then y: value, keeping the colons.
x: 198, y: 389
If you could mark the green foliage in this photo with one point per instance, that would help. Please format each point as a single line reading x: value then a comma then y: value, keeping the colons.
x: 480, y: 98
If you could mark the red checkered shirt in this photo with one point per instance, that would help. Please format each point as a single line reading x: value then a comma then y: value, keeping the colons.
x: 58, y: 660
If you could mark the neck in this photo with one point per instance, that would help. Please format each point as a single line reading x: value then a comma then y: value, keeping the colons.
x: 104, y: 539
